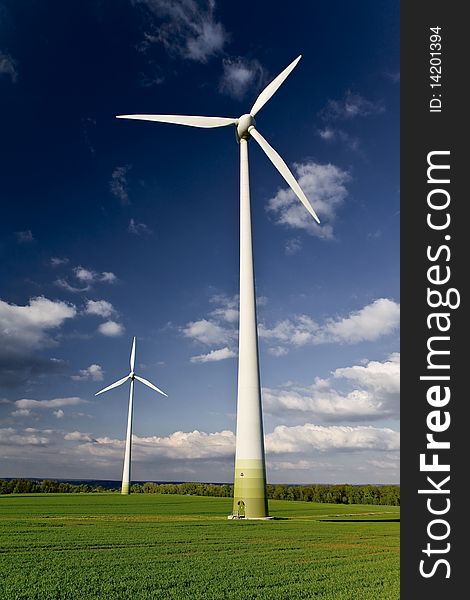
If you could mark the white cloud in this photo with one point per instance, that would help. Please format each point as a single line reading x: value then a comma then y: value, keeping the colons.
x: 24, y: 328
x: 197, y: 445
x: 325, y: 186
x: 375, y: 320
x: 93, y: 373
x: 227, y: 309
x: 90, y: 276
x: 375, y: 394
x: 118, y: 184
x: 350, y: 107
x: 382, y: 317
x: 111, y: 329
x: 206, y: 332
x: 78, y: 436
x: 138, y: 228
x: 107, y: 277
x: 58, y: 413
x: 43, y: 404
x: 240, y: 74
x: 179, y: 445
x: 327, y: 133
x: 214, y: 355
x: 8, y: 66
x: 100, y: 308
x: 87, y: 277
x: 298, y: 331
x: 186, y: 28
x: 21, y: 412
x: 84, y: 275
x: 11, y: 437
x: 309, y: 437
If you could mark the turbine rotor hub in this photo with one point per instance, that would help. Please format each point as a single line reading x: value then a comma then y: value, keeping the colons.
x: 244, y: 123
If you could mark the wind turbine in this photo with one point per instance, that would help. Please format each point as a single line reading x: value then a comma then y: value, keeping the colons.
x: 250, y: 469
x: 126, y: 472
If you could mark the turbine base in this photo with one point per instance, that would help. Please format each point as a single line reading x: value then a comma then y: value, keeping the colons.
x: 249, y: 494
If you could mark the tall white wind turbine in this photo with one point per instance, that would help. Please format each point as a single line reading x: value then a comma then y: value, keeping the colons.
x: 250, y: 497
x: 126, y: 472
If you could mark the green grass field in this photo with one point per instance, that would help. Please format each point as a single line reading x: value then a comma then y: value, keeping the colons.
x: 183, y: 547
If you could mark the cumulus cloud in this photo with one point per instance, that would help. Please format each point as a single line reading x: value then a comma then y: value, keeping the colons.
x: 138, y: 228
x: 351, y: 106
x: 227, y: 309
x: 100, y: 308
x: 78, y: 436
x: 118, y: 184
x: 375, y: 394
x: 59, y: 414
x: 240, y: 75
x: 199, y: 445
x: 375, y: 320
x: 8, y: 66
x: 206, y: 332
x: 107, y: 277
x: 12, y: 437
x: 309, y: 437
x: 92, y: 373
x: 382, y: 317
x: 21, y: 412
x: 25, y: 328
x: 179, y: 445
x: 89, y: 276
x: 111, y: 329
x: 187, y: 28
x: 214, y: 355
x: 325, y: 185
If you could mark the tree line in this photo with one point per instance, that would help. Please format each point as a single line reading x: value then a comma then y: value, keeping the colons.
x: 47, y: 486
x: 331, y: 494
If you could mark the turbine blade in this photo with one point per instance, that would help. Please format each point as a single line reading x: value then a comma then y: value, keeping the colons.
x: 283, y: 169
x: 132, y: 360
x: 150, y: 385
x: 113, y: 385
x: 272, y: 87
x: 184, y: 120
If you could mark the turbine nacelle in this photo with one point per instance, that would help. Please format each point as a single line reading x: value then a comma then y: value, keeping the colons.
x: 245, y: 130
x: 243, y: 126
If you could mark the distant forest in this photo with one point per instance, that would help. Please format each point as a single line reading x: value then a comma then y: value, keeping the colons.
x: 331, y: 494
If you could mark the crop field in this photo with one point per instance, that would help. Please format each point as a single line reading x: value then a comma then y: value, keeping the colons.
x: 150, y: 546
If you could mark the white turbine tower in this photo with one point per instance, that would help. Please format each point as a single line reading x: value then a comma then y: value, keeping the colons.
x: 250, y: 470
x: 126, y: 472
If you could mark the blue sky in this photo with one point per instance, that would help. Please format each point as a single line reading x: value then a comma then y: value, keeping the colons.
x: 115, y: 228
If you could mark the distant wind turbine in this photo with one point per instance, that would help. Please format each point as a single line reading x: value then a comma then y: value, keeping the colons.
x: 126, y: 472
x: 250, y: 499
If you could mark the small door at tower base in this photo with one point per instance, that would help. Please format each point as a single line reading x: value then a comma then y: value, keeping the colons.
x: 241, y: 509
